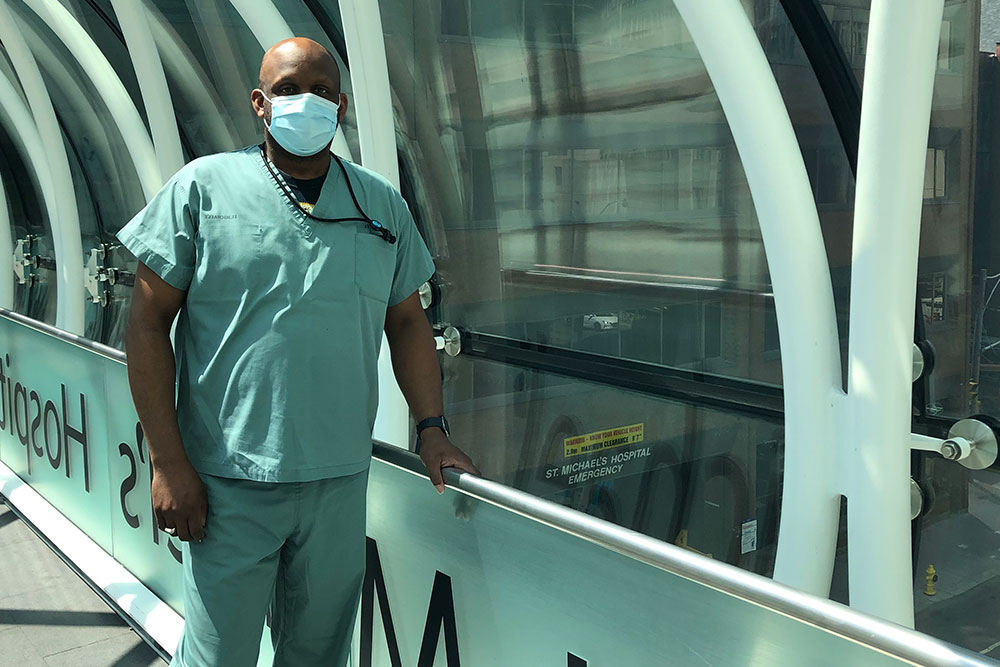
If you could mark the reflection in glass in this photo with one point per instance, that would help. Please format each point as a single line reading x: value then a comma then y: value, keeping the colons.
x: 684, y: 474
x: 569, y: 162
x: 572, y: 170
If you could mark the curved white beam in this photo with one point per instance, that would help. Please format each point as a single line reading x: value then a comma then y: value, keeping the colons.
x: 59, y: 194
x: 191, y: 83
x: 152, y: 83
x: 800, y: 275
x: 6, y: 254
x: 377, y: 137
x: 108, y: 86
x: 81, y: 118
x: 895, y: 113
x: 269, y: 27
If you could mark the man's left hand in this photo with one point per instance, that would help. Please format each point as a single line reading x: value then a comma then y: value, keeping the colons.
x: 437, y: 452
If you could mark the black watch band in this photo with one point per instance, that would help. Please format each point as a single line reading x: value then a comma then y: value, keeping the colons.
x: 440, y: 422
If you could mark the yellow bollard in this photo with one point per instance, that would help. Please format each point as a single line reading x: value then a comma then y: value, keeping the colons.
x: 931, y: 577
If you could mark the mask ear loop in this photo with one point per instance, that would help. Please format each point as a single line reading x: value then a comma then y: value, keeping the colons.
x: 373, y: 225
x: 266, y: 124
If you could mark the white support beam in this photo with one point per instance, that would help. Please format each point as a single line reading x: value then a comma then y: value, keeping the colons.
x: 895, y: 115
x: 800, y: 275
x: 56, y: 179
x: 377, y: 137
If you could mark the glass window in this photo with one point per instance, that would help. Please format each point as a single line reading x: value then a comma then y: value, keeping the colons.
x: 595, y: 237
x: 934, y: 173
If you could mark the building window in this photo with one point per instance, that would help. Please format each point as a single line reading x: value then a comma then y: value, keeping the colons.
x: 698, y: 178
x: 932, y: 290
x: 850, y: 25
x: 944, y: 46
x: 934, y: 174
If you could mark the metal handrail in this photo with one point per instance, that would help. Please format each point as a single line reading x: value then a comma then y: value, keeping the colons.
x: 889, y: 638
x: 55, y: 332
x: 894, y: 640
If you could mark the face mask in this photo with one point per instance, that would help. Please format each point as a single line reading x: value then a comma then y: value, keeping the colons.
x: 302, y: 124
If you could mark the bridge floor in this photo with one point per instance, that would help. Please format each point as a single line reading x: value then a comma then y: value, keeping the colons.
x: 49, y: 617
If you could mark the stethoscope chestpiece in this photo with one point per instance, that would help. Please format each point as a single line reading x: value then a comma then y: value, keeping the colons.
x: 382, y: 231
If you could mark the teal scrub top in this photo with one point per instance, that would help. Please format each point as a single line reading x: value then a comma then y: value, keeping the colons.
x: 278, y: 339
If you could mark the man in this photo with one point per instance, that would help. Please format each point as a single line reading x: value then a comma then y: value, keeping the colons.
x: 285, y: 266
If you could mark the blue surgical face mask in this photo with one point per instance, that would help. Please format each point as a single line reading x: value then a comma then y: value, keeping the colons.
x: 302, y: 124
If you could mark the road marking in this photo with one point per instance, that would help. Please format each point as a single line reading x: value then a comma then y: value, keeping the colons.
x: 990, y: 648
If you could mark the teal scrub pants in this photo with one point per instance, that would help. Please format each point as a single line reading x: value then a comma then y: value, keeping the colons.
x: 297, y: 548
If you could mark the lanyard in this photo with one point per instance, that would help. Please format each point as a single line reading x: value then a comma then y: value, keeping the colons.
x: 374, y: 225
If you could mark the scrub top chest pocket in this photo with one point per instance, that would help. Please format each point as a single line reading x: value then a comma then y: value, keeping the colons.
x: 374, y: 264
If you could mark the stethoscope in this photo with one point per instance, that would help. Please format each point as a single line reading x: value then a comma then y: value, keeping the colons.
x: 374, y: 225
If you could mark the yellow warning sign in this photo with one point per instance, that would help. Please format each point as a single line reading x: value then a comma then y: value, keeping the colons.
x: 597, y: 441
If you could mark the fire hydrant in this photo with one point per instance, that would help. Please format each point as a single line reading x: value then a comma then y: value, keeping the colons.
x: 931, y: 577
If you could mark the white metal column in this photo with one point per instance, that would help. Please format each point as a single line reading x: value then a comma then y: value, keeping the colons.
x: 61, y: 197
x: 800, y: 275
x: 377, y: 136
x: 895, y: 116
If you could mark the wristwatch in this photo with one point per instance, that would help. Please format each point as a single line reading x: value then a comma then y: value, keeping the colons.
x: 440, y: 422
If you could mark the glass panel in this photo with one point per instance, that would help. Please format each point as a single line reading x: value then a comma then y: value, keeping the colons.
x: 498, y: 559
x: 560, y: 156
x: 688, y: 475
x: 572, y: 170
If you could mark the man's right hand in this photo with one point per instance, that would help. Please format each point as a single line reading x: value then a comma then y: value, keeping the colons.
x: 179, y: 501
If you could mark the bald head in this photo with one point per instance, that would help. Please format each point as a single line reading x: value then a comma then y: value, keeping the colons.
x: 297, y: 56
x: 295, y: 66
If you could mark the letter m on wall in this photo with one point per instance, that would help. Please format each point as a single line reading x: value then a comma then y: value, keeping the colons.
x: 440, y: 613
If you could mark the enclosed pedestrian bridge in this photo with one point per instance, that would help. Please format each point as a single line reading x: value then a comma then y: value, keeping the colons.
x: 715, y: 299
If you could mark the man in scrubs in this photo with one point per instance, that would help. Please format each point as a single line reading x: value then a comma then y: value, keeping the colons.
x: 284, y: 268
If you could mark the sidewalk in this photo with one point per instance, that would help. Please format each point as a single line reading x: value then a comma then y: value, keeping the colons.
x: 49, y: 617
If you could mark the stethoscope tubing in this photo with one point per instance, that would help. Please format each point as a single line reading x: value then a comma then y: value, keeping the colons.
x: 374, y: 225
